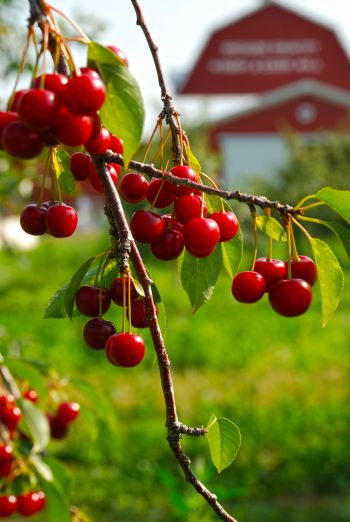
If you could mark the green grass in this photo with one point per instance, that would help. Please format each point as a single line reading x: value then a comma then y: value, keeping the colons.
x: 285, y: 382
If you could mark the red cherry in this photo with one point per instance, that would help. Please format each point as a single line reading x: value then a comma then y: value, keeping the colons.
x: 248, y: 287
x: 31, y: 395
x: 146, y: 226
x: 58, y: 429
x: 53, y: 82
x: 200, y: 253
x: 6, y: 468
x: 30, y: 503
x: 171, y: 222
x: 37, y: 109
x: 99, y: 143
x: 189, y: 207
x: 8, y: 505
x: 116, y: 144
x: 119, y: 53
x: 7, y: 401
x: 80, y: 164
x: 5, y: 453
x: 160, y: 193
x: 96, y: 333
x: 168, y: 245
x: 71, y: 129
x: 5, y: 118
x: 201, y: 234
x: 11, y: 417
x: 125, y: 349
x: 133, y: 187
x: 290, y: 297
x: 117, y: 291
x: 20, y: 141
x: 90, y: 72
x: 272, y: 270
x: 139, y: 314
x: 15, y: 100
x: 228, y: 224
x: 88, y: 299
x: 304, y: 268
x: 33, y: 220
x: 61, y: 221
x: 84, y: 94
x: 95, y: 180
x: 68, y: 412
x: 183, y: 172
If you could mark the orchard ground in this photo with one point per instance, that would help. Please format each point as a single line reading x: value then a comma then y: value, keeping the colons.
x: 285, y: 382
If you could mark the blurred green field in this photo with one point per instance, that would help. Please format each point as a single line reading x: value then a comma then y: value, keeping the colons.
x: 285, y: 382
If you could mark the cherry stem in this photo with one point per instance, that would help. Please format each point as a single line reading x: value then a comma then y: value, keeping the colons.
x: 55, y: 179
x: 21, y: 65
x: 71, y: 22
x: 313, y: 205
x: 129, y: 302
x: 124, y: 303
x: 255, y: 235
x: 269, y: 239
x: 289, y: 246
x: 302, y: 228
x: 43, y: 182
x: 306, y: 198
x: 294, y: 246
x: 159, y: 121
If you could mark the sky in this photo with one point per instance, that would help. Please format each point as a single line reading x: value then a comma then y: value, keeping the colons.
x: 180, y: 28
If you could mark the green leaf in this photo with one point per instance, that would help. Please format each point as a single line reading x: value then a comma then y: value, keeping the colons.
x: 162, y: 319
x: 37, y: 424
x: 232, y: 253
x: 214, y: 203
x: 27, y: 372
x: 341, y: 232
x: 224, y: 439
x: 42, y: 468
x: 55, y: 308
x: 69, y: 296
x: 122, y: 113
x: 57, y: 508
x: 271, y: 227
x: 338, y: 200
x: 61, y: 165
x: 97, y: 401
x: 330, y: 276
x: 156, y: 295
x: 192, y: 160
x: 199, y: 275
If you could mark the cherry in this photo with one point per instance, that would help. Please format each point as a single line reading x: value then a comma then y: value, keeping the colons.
x: 201, y: 235
x: 33, y: 220
x: 171, y: 222
x: 8, y: 505
x: 200, y: 253
x: 30, y: 503
x: 11, y: 417
x: 15, y: 100
x: 100, y: 143
x: 31, y: 395
x: 116, y: 144
x: 88, y: 299
x: 5, y: 118
x: 84, y: 94
x: 20, y: 141
x: 228, y: 224
x: 290, y: 297
x: 146, y: 226
x: 53, y: 82
x: 61, y: 220
x: 304, y: 268
x: 248, y: 287
x: 96, y: 333
x: 125, y: 349
x: 7, y: 401
x: 160, y: 193
x: 80, y: 164
x: 168, y: 245
x: 119, y: 53
x: 5, y: 453
x: 37, y: 109
x: 133, y: 187
x: 184, y: 172
x: 71, y: 129
x: 139, y: 314
x: 68, y: 412
x: 58, y: 429
x: 272, y: 270
x: 189, y: 207
x: 5, y: 468
x: 117, y: 291
x: 95, y: 180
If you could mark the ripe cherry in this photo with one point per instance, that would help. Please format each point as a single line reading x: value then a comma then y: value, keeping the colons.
x: 160, y: 193
x: 68, y: 412
x: 133, y: 187
x: 90, y: 72
x: 117, y: 291
x: 5, y: 453
x: 228, y: 224
x: 201, y: 235
x: 7, y: 401
x: 8, y: 505
x: 80, y: 164
x: 171, y: 222
x: 30, y: 503
x: 33, y: 220
x: 31, y: 395
x: 168, y: 245
x: 304, y: 268
x: 248, y: 287
x: 71, y: 129
x: 95, y: 180
x: 200, y: 253
x: 272, y: 270
x: 116, y: 144
x: 5, y: 118
x: 125, y: 349
x: 15, y: 100
x: 96, y: 333
x: 58, y: 429
x: 37, y: 109
x: 61, y: 220
x: 290, y: 297
x: 183, y: 172
x: 88, y: 299
x: 189, y: 207
x: 11, y: 417
x: 138, y: 313
x: 119, y: 53
x: 100, y: 143
x: 84, y: 94
x: 146, y: 226
x: 53, y: 82
x: 20, y: 141
x: 6, y: 468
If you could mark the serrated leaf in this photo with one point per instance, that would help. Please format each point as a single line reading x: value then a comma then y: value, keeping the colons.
x: 330, y: 276
x: 192, y: 160
x: 232, y: 253
x: 271, y: 227
x: 42, y: 468
x: 224, y: 439
x: 338, y: 200
x: 74, y: 284
x: 37, y: 424
x: 342, y: 233
x: 55, y: 308
x: 61, y: 165
x: 199, y: 275
x: 27, y: 372
x: 123, y: 112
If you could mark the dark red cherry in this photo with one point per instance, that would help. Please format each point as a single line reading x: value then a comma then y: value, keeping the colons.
x: 68, y: 412
x: 6, y: 468
x: 160, y: 193
x: 99, y: 143
x: 184, y: 172
x: 96, y: 333
x: 200, y: 253
x: 171, y: 222
x: 228, y: 224
x: 117, y: 291
x: 304, y: 268
x: 290, y: 297
x: 33, y: 220
x: 71, y: 129
x: 53, y: 82
x: 84, y: 94
x: 61, y: 221
x: 119, y: 53
x: 20, y: 141
x: 5, y: 118
x: 138, y: 313
x: 58, y: 429
x: 11, y: 417
x: 201, y: 234
x: 95, y: 180
x: 8, y: 505
x: 168, y: 245
x: 189, y: 207
x: 37, y: 109
x: 146, y: 226
x: 88, y: 299
x: 30, y: 503
x: 15, y: 100
x: 80, y: 165
x: 248, y: 287
x: 133, y: 187
x: 272, y: 270
x: 125, y: 349
x: 6, y: 452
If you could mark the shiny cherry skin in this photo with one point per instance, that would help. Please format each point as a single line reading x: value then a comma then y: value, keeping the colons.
x: 200, y: 253
x: 96, y: 333
x: 5, y: 118
x: 125, y: 349
x: 71, y: 129
x: 304, y: 268
x: 168, y: 245
x: 37, y: 109
x: 116, y: 144
x: 84, y: 94
x: 133, y: 187
x: 88, y: 298
x: 248, y: 287
x: 80, y: 165
x: 58, y: 429
x: 53, y: 82
x: 95, y: 180
x: 160, y: 193
x: 99, y: 143
x: 119, y: 53
x: 30, y: 503
x: 11, y: 417
x: 20, y: 141
x: 31, y: 395
x: 183, y: 172
x: 146, y: 226
x: 33, y: 220
x: 290, y: 297
x: 90, y: 72
x: 116, y: 291
x: 171, y: 222
x: 61, y: 221
x: 272, y: 270
x: 201, y: 234
x: 8, y: 505
x: 228, y: 224
x: 7, y: 401
x: 139, y: 314
x: 6, y: 452
x: 68, y: 412
x: 15, y: 100
x: 189, y: 207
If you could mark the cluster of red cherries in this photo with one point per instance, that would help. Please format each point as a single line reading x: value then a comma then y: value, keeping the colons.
x: 59, y: 422
x: 289, y: 297
x: 124, y: 348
